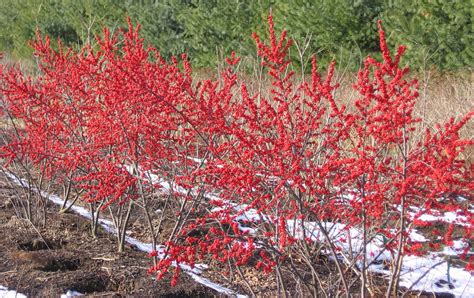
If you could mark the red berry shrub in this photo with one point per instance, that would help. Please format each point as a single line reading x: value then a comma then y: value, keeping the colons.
x: 275, y: 180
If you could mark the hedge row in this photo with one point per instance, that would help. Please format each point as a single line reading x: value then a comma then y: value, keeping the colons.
x: 439, y: 31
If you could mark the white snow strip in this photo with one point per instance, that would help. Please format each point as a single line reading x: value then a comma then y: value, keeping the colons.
x: 145, y: 247
x: 71, y: 293
x: 5, y: 293
x: 457, y: 217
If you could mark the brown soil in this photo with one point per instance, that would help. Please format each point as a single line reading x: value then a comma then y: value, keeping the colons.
x: 48, y: 262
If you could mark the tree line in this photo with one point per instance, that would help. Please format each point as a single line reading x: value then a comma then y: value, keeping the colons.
x: 438, y: 33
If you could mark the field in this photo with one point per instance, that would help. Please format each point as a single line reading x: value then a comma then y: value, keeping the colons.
x: 127, y: 174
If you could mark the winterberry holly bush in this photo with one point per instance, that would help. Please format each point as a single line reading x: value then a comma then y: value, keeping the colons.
x: 280, y: 180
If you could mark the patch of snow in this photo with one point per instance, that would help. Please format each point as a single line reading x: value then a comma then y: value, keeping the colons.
x: 457, y: 217
x: 416, y: 236
x: 71, y: 293
x: 5, y: 293
x: 431, y: 274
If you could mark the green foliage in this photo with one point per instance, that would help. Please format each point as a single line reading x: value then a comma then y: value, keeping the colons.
x: 217, y: 26
x: 201, y: 28
x: 160, y: 26
x: 439, y: 33
x: 74, y: 22
x: 344, y: 30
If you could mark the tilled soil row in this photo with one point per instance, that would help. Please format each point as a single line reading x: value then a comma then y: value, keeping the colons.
x: 48, y: 261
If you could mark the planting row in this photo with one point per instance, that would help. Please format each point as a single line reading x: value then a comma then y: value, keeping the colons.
x: 274, y: 174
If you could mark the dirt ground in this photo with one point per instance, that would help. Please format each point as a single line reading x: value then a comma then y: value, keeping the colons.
x: 50, y: 261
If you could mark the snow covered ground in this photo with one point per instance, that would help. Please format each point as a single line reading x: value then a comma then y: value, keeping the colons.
x: 431, y: 272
